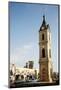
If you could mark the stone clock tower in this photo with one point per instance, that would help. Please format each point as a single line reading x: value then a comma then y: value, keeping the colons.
x: 45, y: 63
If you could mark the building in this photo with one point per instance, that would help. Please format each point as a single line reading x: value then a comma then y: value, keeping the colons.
x: 23, y: 72
x: 29, y: 65
x: 45, y: 62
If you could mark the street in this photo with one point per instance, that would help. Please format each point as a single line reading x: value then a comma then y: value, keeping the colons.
x: 31, y: 84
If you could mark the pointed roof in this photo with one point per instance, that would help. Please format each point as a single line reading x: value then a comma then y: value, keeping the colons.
x: 44, y: 25
x: 44, y: 22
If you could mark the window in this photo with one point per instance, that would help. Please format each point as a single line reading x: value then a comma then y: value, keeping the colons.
x: 43, y: 74
x: 51, y: 72
x: 43, y: 52
x: 49, y: 37
x: 49, y: 53
x: 42, y: 36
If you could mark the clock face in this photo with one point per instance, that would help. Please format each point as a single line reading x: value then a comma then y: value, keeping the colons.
x: 42, y: 27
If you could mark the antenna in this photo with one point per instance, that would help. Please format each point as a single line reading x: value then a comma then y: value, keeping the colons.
x: 44, y: 10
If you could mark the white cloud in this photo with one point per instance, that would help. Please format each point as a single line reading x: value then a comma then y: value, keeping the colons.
x: 22, y: 54
x: 29, y: 46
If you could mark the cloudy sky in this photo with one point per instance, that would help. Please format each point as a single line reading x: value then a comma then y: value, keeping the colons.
x: 25, y: 21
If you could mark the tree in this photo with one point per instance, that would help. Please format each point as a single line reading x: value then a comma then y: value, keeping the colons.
x: 11, y: 73
x: 36, y: 74
x: 56, y: 77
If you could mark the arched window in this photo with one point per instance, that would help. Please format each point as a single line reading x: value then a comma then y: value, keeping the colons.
x: 51, y: 72
x: 49, y: 53
x: 49, y: 37
x: 42, y: 36
x: 43, y: 52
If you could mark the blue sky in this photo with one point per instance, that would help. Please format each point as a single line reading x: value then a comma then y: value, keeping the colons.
x: 25, y: 21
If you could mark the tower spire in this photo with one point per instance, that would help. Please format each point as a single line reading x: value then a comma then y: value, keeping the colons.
x: 44, y: 25
x: 44, y: 22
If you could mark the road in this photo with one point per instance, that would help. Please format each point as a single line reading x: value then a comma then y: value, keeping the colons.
x: 31, y: 84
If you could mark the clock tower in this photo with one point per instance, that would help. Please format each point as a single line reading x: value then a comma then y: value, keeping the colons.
x: 45, y: 63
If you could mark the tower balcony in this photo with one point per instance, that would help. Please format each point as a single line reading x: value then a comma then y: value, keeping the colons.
x: 43, y: 42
